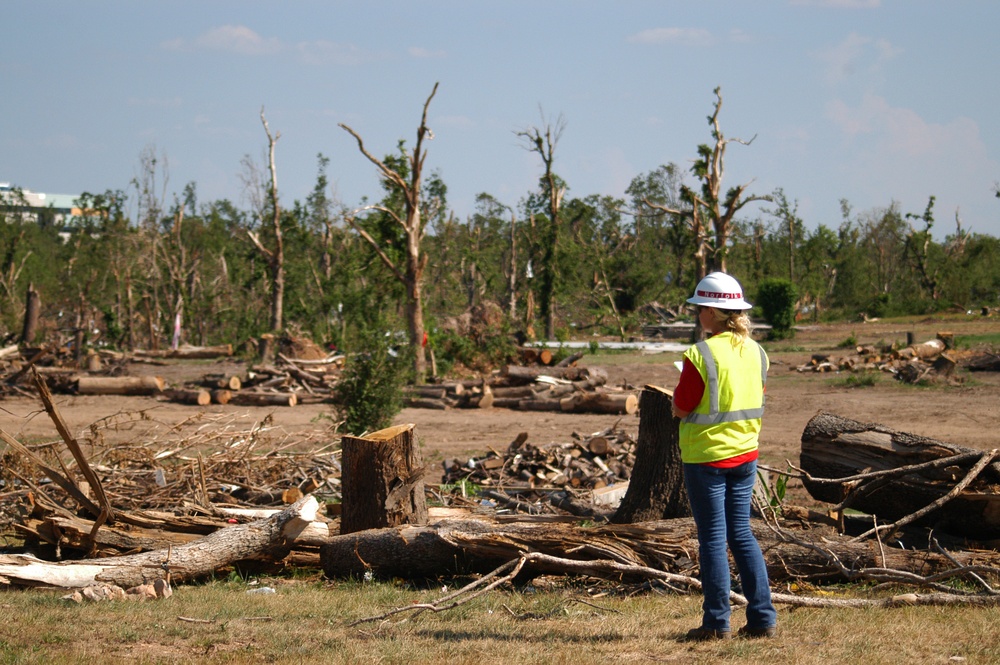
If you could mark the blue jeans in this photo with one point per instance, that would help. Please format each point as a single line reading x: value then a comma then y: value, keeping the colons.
x: 720, y: 502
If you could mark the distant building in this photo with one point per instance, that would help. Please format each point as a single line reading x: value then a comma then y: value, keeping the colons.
x: 46, y: 209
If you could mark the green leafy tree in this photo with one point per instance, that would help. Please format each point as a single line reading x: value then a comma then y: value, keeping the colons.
x: 776, y: 298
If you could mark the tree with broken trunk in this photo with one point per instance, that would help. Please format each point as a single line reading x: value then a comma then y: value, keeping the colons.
x: 264, y: 199
x: 710, y: 213
x: 412, y: 220
x: 543, y: 140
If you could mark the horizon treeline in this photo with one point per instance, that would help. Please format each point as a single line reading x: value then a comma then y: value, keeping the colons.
x: 126, y: 278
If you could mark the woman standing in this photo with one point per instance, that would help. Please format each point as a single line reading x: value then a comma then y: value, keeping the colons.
x: 720, y: 401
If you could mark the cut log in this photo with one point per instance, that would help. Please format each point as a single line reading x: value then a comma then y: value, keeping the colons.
x: 221, y: 396
x: 120, y: 385
x: 520, y: 375
x: 382, y: 480
x: 425, y: 403
x: 656, y: 486
x: 427, y: 391
x: 593, y: 402
x: 465, y: 546
x: 221, y: 381
x: 189, y: 352
x: 196, y: 559
x: 834, y: 447
x: 196, y: 397
x: 247, y: 398
x: 482, y: 399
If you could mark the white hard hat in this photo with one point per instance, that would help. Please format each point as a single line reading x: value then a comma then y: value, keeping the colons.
x: 721, y: 291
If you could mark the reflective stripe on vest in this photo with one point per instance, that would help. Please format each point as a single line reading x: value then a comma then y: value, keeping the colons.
x: 714, y: 417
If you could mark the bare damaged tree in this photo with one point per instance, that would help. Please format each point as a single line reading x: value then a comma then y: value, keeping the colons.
x: 413, y: 223
x: 709, y: 205
x: 263, y: 206
x: 543, y: 140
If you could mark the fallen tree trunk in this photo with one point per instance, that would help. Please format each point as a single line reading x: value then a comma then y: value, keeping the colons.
x: 475, y: 546
x: 245, y: 398
x: 835, y: 448
x: 594, y: 402
x: 185, y: 562
x: 197, y: 397
x: 120, y: 385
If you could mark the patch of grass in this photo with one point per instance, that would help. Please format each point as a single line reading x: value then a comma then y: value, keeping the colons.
x: 975, y: 341
x: 544, y: 623
x: 849, y: 342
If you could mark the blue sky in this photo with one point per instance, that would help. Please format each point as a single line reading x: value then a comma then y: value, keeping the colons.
x: 872, y: 101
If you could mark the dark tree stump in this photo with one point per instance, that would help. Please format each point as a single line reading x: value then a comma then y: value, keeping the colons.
x: 656, y: 486
x: 32, y: 310
x: 382, y: 481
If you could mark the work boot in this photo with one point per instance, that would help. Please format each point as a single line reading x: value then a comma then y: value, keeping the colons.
x: 747, y: 631
x: 707, y: 634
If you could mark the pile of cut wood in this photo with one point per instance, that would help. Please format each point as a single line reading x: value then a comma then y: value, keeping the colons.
x: 531, y: 386
x: 538, y: 479
x: 286, y: 382
x: 933, y: 360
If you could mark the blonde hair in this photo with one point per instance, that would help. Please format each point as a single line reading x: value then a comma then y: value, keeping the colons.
x: 735, y: 321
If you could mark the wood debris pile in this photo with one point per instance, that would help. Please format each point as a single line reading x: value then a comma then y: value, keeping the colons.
x: 933, y: 360
x: 551, y: 478
x: 532, y: 386
x: 164, y: 492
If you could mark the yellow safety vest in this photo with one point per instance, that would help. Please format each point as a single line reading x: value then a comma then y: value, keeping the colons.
x: 727, y: 421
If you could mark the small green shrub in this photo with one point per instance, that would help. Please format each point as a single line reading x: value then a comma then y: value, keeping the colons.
x: 369, y: 394
x: 776, y: 298
x: 849, y: 342
x: 858, y: 380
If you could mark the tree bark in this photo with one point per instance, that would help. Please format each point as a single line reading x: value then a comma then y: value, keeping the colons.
x: 194, y: 397
x: 32, y: 310
x: 120, y: 385
x: 834, y: 447
x: 246, y: 398
x: 185, y: 562
x: 475, y: 546
x: 656, y: 486
x: 382, y: 480
x: 595, y: 402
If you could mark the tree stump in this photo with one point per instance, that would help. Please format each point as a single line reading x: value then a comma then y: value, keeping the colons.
x: 656, y: 487
x: 32, y: 310
x: 382, y: 481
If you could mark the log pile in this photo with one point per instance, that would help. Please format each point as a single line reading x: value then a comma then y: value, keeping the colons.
x: 554, y: 478
x: 286, y: 382
x: 931, y: 361
x: 563, y: 387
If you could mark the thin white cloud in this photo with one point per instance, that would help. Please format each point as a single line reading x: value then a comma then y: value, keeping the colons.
x: 902, y: 131
x: 421, y: 52
x: 686, y: 36
x: 899, y: 154
x: 856, y: 54
x: 238, y: 39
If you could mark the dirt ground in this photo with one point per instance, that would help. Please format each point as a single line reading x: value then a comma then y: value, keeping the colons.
x: 967, y: 415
